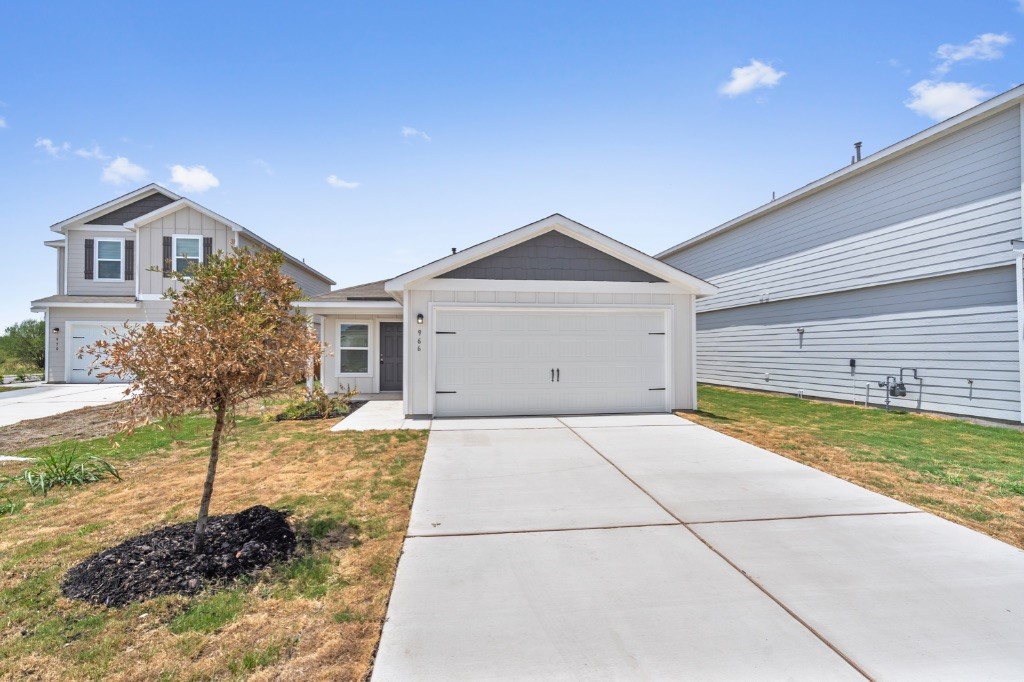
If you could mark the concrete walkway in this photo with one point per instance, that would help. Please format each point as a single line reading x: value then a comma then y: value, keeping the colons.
x: 647, y: 547
x: 50, y: 399
x: 380, y: 415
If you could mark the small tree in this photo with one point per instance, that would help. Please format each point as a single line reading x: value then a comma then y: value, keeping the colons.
x: 25, y: 342
x: 231, y: 335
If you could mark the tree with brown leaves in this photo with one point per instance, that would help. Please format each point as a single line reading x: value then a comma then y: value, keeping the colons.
x: 231, y: 335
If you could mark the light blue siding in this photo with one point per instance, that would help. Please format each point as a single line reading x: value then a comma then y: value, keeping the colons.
x: 906, y: 264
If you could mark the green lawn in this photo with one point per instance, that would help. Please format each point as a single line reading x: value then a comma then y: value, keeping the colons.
x: 970, y: 473
x: 349, y: 495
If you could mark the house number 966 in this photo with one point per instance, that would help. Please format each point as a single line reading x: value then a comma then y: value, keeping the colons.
x: 419, y: 340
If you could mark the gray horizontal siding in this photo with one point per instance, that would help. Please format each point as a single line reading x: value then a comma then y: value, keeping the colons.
x: 948, y: 206
x: 552, y: 256
x: 310, y: 284
x: 952, y: 328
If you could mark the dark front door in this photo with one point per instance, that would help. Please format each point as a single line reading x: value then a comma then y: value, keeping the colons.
x: 390, y: 356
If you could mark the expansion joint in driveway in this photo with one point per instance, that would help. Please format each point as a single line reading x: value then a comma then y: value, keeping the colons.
x: 542, y: 530
x: 689, y: 527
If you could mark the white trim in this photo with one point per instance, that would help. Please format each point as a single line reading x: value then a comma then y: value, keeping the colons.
x: 406, y: 341
x: 40, y: 307
x: 995, y: 105
x: 151, y: 297
x: 570, y: 228
x: 46, y: 353
x: 1020, y: 327
x: 113, y: 204
x: 692, y: 388
x: 96, y: 259
x: 56, y: 243
x: 361, y: 306
x: 370, y: 345
x: 95, y: 228
x: 668, y: 312
x: 174, y: 248
x: 543, y: 285
x: 64, y: 292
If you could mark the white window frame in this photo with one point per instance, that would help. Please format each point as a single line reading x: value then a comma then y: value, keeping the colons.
x: 370, y: 339
x: 174, y: 248
x: 96, y: 260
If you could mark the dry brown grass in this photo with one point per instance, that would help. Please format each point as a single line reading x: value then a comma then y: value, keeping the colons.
x: 859, y: 446
x: 316, y: 620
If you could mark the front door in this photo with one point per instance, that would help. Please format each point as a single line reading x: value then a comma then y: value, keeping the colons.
x: 390, y: 356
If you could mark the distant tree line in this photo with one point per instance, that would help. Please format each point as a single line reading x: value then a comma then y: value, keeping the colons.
x: 23, y: 346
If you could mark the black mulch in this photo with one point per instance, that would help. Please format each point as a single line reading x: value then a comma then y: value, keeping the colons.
x: 162, y: 562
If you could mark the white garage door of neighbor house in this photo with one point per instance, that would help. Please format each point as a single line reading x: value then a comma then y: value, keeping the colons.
x: 85, y: 335
x: 526, y: 361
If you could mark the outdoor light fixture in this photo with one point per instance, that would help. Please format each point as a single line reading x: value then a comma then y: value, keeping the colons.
x: 419, y: 319
x: 800, y: 330
x: 56, y: 330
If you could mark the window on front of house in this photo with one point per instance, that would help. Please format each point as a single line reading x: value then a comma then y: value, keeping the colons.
x: 353, y: 348
x: 187, y: 252
x: 109, y: 259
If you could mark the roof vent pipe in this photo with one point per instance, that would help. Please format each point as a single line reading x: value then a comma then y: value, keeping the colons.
x: 453, y: 249
x: 856, y: 147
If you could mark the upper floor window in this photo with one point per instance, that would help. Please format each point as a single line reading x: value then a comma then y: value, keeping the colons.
x: 110, y: 259
x: 188, y: 252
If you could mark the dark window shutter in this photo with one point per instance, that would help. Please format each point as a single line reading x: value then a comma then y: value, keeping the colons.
x: 129, y: 259
x: 207, y: 248
x: 168, y: 256
x: 88, y: 258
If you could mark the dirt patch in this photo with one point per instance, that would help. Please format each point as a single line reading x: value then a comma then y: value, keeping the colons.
x: 81, y: 424
x: 162, y: 562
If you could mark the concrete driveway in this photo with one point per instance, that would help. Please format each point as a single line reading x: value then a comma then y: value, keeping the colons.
x: 51, y: 399
x: 647, y: 547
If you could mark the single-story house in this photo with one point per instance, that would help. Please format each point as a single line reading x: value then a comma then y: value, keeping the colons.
x: 550, y: 318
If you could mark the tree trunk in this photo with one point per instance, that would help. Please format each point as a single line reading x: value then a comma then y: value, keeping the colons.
x: 211, y: 472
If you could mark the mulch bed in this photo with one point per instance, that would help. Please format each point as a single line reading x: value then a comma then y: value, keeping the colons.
x: 162, y: 562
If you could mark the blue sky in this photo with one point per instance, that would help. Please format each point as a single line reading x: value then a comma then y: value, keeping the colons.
x: 370, y: 138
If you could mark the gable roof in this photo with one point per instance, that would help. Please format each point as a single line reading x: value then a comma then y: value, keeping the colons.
x: 371, y: 291
x: 559, y: 223
x: 114, y: 204
x: 235, y: 227
x: 991, y: 107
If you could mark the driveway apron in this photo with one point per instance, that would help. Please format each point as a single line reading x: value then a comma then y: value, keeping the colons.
x: 648, y: 547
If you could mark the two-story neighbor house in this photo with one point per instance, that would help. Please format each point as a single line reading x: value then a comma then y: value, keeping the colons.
x: 105, y: 259
x: 908, y: 260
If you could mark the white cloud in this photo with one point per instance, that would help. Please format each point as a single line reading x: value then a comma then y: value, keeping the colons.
x: 264, y: 166
x: 755, y: 75
x: 984, y: 48
x: 193, y: 178
x: 121, y: 170
x: 939, y: 100
x: 94, y: 153
x: 408, y: 132
x: 334, y: 181
x: 3, y: 122
x: 54, y: 150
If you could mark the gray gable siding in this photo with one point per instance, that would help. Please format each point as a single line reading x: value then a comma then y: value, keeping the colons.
x: 552, y: 256
x: 133, y: 210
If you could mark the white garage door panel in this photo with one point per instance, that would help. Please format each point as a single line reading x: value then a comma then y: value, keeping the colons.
x: 86, y: 334
x: 501, y: 362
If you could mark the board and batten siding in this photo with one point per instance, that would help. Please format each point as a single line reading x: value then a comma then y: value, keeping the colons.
x: 329, y: 325
x: 185, y: 220
x: 905, y: 264
x: 78, y: 285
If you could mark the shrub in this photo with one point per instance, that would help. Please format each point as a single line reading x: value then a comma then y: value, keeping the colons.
x: 65, y: 467
x: 319, y: 405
